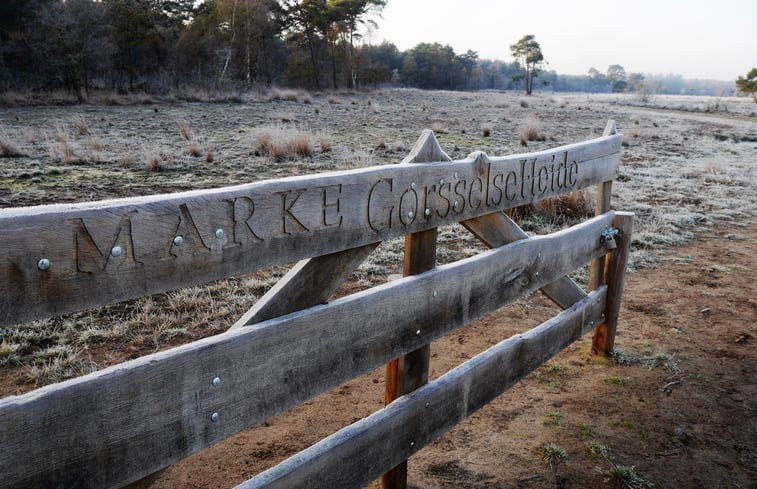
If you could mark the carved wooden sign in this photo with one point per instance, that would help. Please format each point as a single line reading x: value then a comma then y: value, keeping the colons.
x: 62, y: 258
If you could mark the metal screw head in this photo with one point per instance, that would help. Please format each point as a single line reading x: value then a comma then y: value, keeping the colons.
x: 117, y: 251
x: 441, y: 182
x: 219, y: 233
x: 454, y: 205
x: 216, y: 382
x: 410, y: 215
x: 43, y: 264
x: 427, y: 404
x: 412, y: 185
x: 418, y: 332
x: 178, y: 240
x: 412, y: 444
x: 214, y: 417
x: 434, y: 293
x: 456, y: 175
x: 427, y: 212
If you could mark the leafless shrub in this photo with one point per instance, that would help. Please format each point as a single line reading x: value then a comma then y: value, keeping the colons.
x: 381, y: 144
x: 209, y: 156
x: 307, y: 99
x: 332, y: 100
x: 524, y: 104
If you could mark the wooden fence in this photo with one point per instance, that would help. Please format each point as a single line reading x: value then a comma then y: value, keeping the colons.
x: 117, y: 426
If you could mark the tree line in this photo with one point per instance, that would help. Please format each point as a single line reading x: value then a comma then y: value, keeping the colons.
x: 163, y: 46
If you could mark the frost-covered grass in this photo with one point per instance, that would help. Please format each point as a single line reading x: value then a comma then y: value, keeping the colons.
x: 683, y: 170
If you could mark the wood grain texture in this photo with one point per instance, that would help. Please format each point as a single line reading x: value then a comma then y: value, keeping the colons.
x: 115, y: 426
x: 409, y: 372
x: 356, y: 455
x: 604, y: 336
x: 308, y: 283
x: 497, y: 229
x: 111, y: 251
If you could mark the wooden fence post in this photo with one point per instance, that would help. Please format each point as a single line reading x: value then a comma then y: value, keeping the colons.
x: 604, y: 335
x: 411, y: 371
x: 604, y: 191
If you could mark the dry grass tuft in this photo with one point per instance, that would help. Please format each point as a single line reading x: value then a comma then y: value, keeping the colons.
x: 524, y: 104
x: 381, y: 144
x: 7, y: 148
x: 288, y: 95
x: 127, y: 161
x: 486, y: 131
x: 209, y: 156
x: 81, y: 127
x: 325, y: 143
x: 530, y: 133
x: 185, y: 135
x: 194, y: 150
x: 283, y: 143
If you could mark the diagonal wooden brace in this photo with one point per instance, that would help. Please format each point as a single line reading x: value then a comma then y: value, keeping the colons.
x: 498, y: 229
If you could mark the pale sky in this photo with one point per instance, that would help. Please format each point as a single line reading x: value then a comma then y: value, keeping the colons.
x: 706, y: 39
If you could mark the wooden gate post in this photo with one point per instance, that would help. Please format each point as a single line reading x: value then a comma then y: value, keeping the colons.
x: 410, y: 372
x: 604, y: 335
x: 604, y: 191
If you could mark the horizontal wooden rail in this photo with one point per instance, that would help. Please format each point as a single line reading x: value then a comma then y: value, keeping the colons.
x: 115, y: 426
x: 359, y: 453
x: 64, y: 258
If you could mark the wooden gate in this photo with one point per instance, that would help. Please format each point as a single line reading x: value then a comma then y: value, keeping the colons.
x: 117, y: 426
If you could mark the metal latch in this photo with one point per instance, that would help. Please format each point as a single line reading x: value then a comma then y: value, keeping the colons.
x: 608, y: 238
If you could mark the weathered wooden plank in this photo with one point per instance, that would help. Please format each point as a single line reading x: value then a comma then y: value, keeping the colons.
x: 63, y: 258
x: 604, y: 335
x: 604, y: 196
x: 357, y: 454
x: 497, y: 229
x: 115, y: 426
x: 409, y: 372
x: 309, y: 282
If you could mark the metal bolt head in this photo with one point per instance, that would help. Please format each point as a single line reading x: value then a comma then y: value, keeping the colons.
x: 178, y: 240
x: 434, y: 293
x: 43, y: 264
x: 412, y: 444
x: 456, y: 175
x: 427, y: 212
x: 412, y: 185
x: 418, y: 332
x: 216, y: 382
x: 454, y: 205
x: 410, y: 215
x: 441, y: 182
x: 219, y: 233
x: 214, y: 417
x: 117, y: 251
